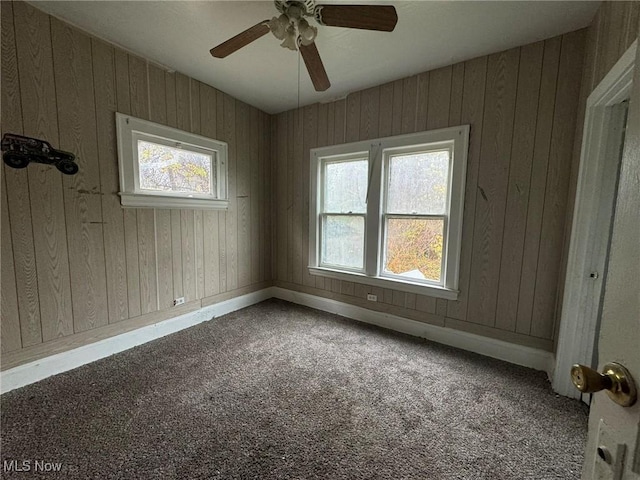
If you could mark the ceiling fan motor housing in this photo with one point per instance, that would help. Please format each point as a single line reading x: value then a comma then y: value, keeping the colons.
x: 306, y: 7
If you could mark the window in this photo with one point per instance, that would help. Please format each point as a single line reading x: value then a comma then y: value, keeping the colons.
x: 388, y: 212
x: 168, y: 168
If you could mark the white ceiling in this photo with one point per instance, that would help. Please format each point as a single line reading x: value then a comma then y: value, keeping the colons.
x: 429, y: 35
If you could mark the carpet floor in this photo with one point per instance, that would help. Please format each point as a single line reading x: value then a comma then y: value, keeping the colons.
x: 282, y: 391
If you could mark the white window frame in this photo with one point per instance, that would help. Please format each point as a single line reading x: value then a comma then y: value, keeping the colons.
x: 377, y: 153
x: 130, y: 130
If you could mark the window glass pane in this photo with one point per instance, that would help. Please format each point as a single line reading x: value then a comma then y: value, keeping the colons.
x: 343, y: 241
x: 345, y: 186
x: 169, y: 169
x: 414, y: 248
x: 417, y: 183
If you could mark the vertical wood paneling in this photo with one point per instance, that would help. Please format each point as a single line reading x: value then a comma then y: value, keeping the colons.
x: 176, y: 254
x: 222, y: 216
x: 457, y: 86
x: 194, y: 110
x: 502, y: 71
x: 170, y: 99
x: 40, y: 120
x: 386, y: 111
x: 244, y: 240
x: 255, y: 197
x: 268, y: 192
x: 281, y: 197
x: 199, y: 251
x: 422, y: 101
x: 232, y: 213
x: 77, y: 126
x: 290, y: 186
x: 631, y: 18
x: 243, y: 185
x: 256, y: 173
x: 369, y: 113
x: 211, y: 254
x: 297, y: 225
x: 10, y: 325
x: 409, y: 104
x: 519, y: 182
x: 396, y: 112
x: 439, y: 98
x: 147, y: 258
x: 104, y: 78
x: 164, y: 251
x: 551, y: 236
x: 157, y: 95
x: 188, y: 253
x: 26, y: 313
x: 242, y: 153
x: 538, y: 182
x: 353, y: 117
x: 183, y: 102
x: 310, y: 138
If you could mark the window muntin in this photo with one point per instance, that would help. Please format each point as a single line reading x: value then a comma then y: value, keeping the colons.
x: 414, y: 206
x: 163, y: 167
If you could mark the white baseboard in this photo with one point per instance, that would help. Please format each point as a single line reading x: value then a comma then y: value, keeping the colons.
x: 61, y: 362
x: 518, y: 354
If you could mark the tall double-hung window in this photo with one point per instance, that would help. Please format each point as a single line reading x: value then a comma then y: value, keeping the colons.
x: 388, y: 212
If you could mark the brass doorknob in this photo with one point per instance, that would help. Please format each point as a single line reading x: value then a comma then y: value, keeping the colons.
x: 615, y: 379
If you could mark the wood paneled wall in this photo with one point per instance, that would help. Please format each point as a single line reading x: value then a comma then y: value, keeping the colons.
x: 522, y: 107
x: 611, y: 33
x: 76, y: 266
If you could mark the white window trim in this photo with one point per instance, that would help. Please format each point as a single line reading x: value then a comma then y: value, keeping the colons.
x: 130, y: 129
x: 375, y: 149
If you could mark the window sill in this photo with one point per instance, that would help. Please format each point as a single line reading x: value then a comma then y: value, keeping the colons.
x: 132, y: 200
x: 410, y: 287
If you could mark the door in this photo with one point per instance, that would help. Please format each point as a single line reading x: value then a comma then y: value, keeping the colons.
x: 613, y: 446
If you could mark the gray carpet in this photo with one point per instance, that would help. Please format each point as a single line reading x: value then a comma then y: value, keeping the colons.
x: 282, y: 391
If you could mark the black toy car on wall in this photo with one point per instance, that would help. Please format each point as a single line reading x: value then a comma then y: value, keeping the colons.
x: 19, y: 151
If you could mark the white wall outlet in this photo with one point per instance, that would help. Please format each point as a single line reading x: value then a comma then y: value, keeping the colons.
x: 372, y: 297
x: 178, y: 301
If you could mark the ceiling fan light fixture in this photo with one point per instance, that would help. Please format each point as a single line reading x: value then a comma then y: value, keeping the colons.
x: 307, y: 32
x: 278, y: 26
x: 290, y: 39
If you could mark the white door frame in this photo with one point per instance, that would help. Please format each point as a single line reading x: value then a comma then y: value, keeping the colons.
x: 582, y: 293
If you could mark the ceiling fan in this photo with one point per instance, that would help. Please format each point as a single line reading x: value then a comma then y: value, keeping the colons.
x: 295, y: 31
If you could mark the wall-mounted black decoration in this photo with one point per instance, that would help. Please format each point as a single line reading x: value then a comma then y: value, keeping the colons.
x: 19, y: 151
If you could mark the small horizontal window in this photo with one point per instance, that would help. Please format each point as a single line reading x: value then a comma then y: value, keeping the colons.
x: 163, y: 167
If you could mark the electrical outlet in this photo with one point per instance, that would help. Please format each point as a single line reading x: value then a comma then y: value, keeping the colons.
x: 372, y: 297
x: 178, y: 301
